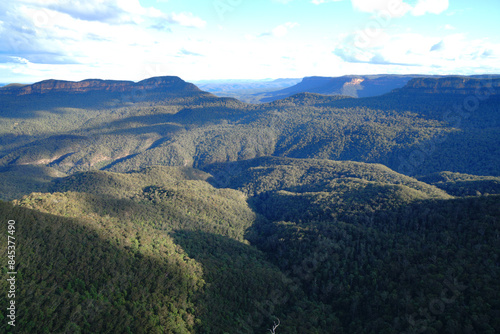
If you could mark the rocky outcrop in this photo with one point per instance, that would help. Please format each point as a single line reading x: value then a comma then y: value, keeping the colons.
x: 349, y: 85
x: 90, y: 85
x: 454, y: 85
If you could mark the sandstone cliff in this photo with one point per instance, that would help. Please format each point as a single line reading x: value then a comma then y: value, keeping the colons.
x: 57, y: 86
x: 454, y: 85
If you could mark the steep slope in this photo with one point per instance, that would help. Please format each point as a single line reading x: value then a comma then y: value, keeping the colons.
x: 307, y: 175
x: 458, y: 100
x: 469, y: 107
x: 304, y: 190
x: 93, y: 129
x: 147, y: 252
x: 323, y: 246
x: 412, y: 132
x: 54, y: 96
x: 430, y: 266
x: 16, y: 181
x: 90, y: 85
x: 458, y: 184
x: 454, y: 85
x: 179, y: 192
x: 375, y: 85
x: 89, y: 273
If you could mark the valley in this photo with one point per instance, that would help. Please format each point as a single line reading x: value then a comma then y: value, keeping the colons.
x: 358, y: 204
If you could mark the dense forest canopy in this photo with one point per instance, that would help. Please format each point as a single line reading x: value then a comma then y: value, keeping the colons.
x: 155, y: 207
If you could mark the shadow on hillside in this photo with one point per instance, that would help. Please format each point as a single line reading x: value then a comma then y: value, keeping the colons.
x: 89, y: 277
x: 160, y: 129
x: 29, y: 106
x: 17, y: 181
x: 185, y: 116
x: 10, y: 140
x: 246, y: 285
x: 469, y: 151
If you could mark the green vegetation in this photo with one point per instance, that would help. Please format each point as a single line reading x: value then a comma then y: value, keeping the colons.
x: 169, y: 257
x: 457, y: 184
x: 94, y: 274
x: 307, y: 175
x: 321, y: 245
x: 429, y: 267
x: 16, y: 181
x: 180, y: 212
x: 413, y: 133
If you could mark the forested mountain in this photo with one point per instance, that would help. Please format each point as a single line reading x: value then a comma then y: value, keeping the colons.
x: 463, y: 184
x: 359, y: 85
x: 350, y: 85
x: 161, y: 250
x: 91, y: 85
x: 156, y: 207
x: 413, y: 132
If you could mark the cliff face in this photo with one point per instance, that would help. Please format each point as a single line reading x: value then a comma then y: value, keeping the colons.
x: 55, y: 86
x: 454, y: 85
x: 349, y: 85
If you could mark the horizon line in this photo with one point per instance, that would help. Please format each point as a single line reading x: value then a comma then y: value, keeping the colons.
x: 3, y: 84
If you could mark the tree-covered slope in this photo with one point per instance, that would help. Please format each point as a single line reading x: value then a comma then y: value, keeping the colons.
x: 154, y: 207
x: 308, y: 175
x: 350, y: 85
x: 458, y: 184
x: 431, y: 266
x: 91, y: 273
x: 412, y: 131
x: 19, y: 180
x: 157, y: 251
x: 385, y: 252
x: 325, y: 246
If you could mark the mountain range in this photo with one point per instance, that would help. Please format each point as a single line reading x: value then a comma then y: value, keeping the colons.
x: 116, y: 125
x: 349, y: 85
x: 91, y: 85
x: 358, y: 204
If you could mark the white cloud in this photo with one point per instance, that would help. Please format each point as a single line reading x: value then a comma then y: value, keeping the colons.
x: 451, y: 54
x: 319, y: 2
x: 398, y: 8
x: 282, y: 30
x: 430, y: 6
x: 109, y: 11
x: 391, y: 8
x: 112, y: 11
x: 454, y: 12
x: 43, y: 43
x: 59, y: 33
x: 73, y: 44
x: 186, y: 19
x: 279, y: 31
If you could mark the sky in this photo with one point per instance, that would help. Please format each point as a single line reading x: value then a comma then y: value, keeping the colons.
x: 245, y: 39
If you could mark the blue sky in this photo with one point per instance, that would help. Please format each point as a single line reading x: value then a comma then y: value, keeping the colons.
x: 245, y: 39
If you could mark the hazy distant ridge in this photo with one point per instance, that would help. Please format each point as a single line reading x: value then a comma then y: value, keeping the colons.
x: 375, y: 85
x: 350, y: 85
